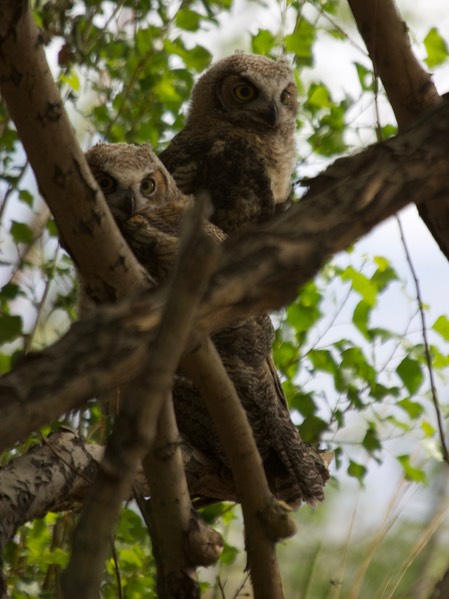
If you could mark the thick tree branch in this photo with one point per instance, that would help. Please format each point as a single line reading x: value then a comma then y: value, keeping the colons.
x: 408, y: 86
x: 51, y: 477
x: 258, y: 272
x: 135, y: 431
x: 65, y: 181
x: 266, y: 521
x: 57, y: 475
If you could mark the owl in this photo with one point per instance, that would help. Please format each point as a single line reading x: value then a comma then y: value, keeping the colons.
x: 149, y: 209
x: 238, y: 143
x: 133, y: 179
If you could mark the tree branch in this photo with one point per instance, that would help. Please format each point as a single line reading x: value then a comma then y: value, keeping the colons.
x: 84, y: 221
x: 266, y: 520
x: 409, y: 87
x: 134, y: 434
x: 56, y: 476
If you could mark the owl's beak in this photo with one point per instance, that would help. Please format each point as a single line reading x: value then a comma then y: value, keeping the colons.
x: 271, y: 114
x: 128, y: 203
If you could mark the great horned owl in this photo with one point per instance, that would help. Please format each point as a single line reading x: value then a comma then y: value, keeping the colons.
x: 133, y: 179
x: 149, y: 209
x: 239, y: 140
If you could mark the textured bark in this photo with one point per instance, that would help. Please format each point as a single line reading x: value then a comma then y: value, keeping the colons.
x: 57, y: 475
x: 84, y: 221
x: 51, y: 477
x: 133, y: 436
x: 409, y: 87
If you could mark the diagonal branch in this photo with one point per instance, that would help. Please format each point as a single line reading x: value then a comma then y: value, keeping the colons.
x: 409, y: 87
x: 266, y: 520
x: 135, y: 431
x: 84, y: 221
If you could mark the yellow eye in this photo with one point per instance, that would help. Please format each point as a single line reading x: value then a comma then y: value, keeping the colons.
x: 107, y: 183
x: 148, y: 186
x: 244, y: 92
x: 286, y: 98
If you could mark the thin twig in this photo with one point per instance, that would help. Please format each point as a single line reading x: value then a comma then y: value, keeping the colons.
x: 427, y: 355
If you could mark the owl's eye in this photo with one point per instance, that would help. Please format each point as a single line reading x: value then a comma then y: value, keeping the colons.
x: 244, y: 92
x: 107, y: 183
x: 286, y: 98
x: 148, y: 186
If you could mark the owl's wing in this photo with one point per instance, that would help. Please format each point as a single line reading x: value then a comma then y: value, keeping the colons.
x: 183, y: 158
x: 228, y: 169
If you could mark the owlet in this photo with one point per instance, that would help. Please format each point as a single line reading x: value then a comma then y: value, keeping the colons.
x: 238, y: 144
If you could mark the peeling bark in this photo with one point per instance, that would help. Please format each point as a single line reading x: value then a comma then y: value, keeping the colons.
x: 56, y: 476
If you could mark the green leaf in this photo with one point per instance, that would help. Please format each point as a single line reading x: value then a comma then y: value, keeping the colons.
x: 357, y: 470
x: 9, y: 291
x: 437, y: 50
x: 441, y: 326
x: 303, y: 402
x: 52, y: 228
x: 411, y: 374
x: 366, y: 77
x: 413, y: 408
x: 361, y: 316
x: 371, y: 440
x: 312, y: 428
x: 229, y: 554
x: 322, y: 359
x: 71, y: 79
x: 301, y: 41
x: 361, y: 284
x: 10, y: 327
x: 21, y: 233
x: 263, y: 42
x: 26, y: 197
x: 384, y: 274
x: 188, y: 19
x: 355, y: 360
x: 428, y: 429
x: 411, y: 472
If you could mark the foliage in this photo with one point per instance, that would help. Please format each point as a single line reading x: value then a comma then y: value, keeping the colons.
x: 125, y: 70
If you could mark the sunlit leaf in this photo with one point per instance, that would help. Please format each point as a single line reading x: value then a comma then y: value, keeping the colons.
x: 436, y: 47
x: 361, y: 284
x: 411, y: 472
x: 441, y: 326
x: 413, y: 408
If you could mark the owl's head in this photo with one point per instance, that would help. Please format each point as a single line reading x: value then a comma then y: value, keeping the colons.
x: 246, y: 90
x: 131, y: 177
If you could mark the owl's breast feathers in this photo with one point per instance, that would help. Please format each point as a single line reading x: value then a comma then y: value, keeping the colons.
x: 242, y: 175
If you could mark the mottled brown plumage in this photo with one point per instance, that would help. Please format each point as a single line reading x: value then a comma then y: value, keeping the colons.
x: 238, y: 144
x: 151, y: 224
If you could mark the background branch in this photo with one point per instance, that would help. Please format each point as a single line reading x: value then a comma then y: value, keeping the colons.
x: 409, y: 87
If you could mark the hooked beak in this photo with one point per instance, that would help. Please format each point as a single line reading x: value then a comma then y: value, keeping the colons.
x: 271, y: 114
x: 129, y: 203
